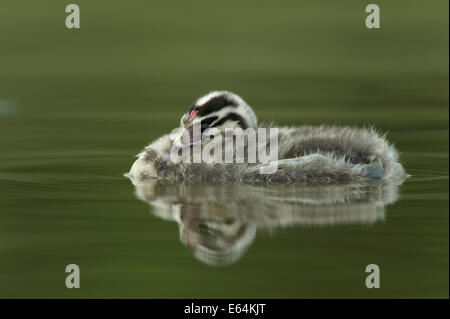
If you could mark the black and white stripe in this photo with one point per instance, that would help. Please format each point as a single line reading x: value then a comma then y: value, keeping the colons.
x: 233, y: 117
x: 219, y: 109
x: 215, y: 104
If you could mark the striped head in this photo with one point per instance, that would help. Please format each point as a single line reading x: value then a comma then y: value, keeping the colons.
x: 220, y: 109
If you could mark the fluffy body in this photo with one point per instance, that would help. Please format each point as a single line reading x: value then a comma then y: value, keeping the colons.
x: 318, y: 154
x: 330, y: 154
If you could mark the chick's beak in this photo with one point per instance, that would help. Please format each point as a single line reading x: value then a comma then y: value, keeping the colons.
x: 192, y: 115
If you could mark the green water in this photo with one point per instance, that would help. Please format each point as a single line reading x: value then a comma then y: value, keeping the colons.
x: 77, y: 105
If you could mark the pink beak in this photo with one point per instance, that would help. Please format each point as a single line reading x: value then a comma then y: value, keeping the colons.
x: 193, y: 113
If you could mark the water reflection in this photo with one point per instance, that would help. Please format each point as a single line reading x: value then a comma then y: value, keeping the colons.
x: 220, y: 221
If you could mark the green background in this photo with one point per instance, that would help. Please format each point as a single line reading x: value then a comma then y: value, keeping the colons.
x: 77, y: 105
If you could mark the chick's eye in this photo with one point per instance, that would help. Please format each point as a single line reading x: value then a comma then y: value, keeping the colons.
x: 204, y: 126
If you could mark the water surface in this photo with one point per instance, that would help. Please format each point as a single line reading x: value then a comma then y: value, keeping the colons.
x: 76, y: 106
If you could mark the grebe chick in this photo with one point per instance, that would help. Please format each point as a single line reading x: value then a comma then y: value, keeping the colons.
x: 319, y: 154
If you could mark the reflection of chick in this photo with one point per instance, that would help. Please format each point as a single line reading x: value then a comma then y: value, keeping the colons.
x: 219, y: 221
x: 215, y: 238
x: 319, y: 154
